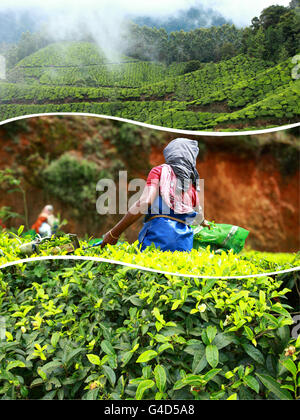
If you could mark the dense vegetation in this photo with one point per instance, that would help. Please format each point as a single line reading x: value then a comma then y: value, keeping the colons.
x: 82, y: 63
x: 218, y: 78
x: 274, y: 35
x: 85, y: 330
x: 195, y: 263
x: 68, y: 170
x: 235, y: 93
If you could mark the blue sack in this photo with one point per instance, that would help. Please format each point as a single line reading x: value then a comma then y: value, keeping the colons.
x: 163, y: 231
x: 167, y: 234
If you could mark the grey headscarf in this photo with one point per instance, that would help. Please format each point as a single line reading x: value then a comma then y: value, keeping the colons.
x: 181, y: 155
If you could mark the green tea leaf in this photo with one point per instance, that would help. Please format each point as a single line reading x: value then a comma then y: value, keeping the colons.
x: 158, y: 316
x: 164, y: 347
x: 14, y: 364
x: 176, y: 304
x: 126, y: 358
x: 212, y: 355
x: 42, y: 374
x: 146, y: 356
x: 274, y: 387
x: 143, y: 386
x: 49, y: 367
x: 233, y: 397
x: 252, y: 383
x: 110, y: 374
x: 223, y: 340
x: 199, y: 362
x: 279, y: 309
x: 94, y: 359
x: 20, y: 230
x: 160, y: 377
x: 211, y: 374
x: 254, y: 353
x: 211, y: 332
x: 290, y: 366
x: 55, y: 338
x: 70, y: 355
x: 107, y: 348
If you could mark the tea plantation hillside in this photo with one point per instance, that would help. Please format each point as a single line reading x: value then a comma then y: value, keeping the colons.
x: 242, y: 92
x: 83, y: 64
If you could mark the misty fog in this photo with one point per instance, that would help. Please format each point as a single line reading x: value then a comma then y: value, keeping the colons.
x: 105, y: 20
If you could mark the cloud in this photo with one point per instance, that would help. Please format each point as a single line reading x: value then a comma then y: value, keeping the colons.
x: 239, y: 12
x: 104, y: 19
x: 242, y: 12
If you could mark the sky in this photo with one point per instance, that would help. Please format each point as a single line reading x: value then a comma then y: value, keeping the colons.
x: 240, y: 12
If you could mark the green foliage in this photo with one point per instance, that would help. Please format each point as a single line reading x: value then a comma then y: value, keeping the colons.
x: 236, y: 93
x: 282, y: 105
x: 11, y: 182
x: 132, y: 141
x: 28, y: 44
x: 64, y: 54
x: 83, y: 64
x: 99, y: 331
x: 204, y: 262
x: 192, y: 65
x: 219, y: 76
x: 73, y: 180
x: 6, y: 213
x: 211, y: 78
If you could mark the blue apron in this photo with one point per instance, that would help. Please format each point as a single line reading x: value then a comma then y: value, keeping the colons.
x: 164, y: 232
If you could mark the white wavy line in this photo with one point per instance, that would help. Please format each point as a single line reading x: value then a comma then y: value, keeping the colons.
x: 187, y: 132
x: 95, y: 259
x: 156, y: 127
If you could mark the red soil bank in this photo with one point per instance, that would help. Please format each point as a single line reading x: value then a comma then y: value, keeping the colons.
x: 245, y: 189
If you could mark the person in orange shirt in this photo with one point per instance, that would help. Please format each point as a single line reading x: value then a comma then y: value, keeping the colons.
x: 46, y: 223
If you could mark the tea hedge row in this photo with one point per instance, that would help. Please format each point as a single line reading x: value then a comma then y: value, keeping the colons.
x: 281, y: 107
x: 236, y: 95
x: 131, y: 74
x: 213, y: 77
x: 136, y: 111
x: 82, y: 64
x: 20, y: 92
x: 69, y: 54
x: 267, y: 96
x: 253, y: 89
x: 204, y: 263
x: 97, y: 331
x: 187, y: 120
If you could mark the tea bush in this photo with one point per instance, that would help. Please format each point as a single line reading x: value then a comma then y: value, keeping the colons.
x: 99, y: 331
x: 196, y: 263
x: 233, y: 94
x: 82, y: 64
